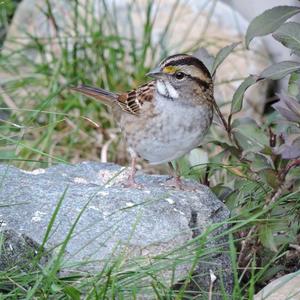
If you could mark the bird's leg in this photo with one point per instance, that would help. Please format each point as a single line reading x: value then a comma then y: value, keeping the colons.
x: 175, y: 181
x: 130, y: 180
x: 132, y: 171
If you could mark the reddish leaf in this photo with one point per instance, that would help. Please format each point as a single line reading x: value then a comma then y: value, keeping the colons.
x: 291, y: 148
x: 288, y: 107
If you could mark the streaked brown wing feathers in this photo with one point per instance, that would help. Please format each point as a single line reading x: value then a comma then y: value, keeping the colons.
x: 132, y: 102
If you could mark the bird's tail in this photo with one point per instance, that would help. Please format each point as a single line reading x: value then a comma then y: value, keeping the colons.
x: 104, y: 96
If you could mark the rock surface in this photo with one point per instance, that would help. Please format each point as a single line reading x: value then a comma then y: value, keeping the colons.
x: 285, y: 287
x: 137, y: 223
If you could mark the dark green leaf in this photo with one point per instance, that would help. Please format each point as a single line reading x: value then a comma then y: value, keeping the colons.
x: 220, y: 57
x: 259, y: 161
x: 289, y: 35
x: 232, y: 201
x: 237, y: 99
x: 221, y: 191
x: 271, y: 272
x: 270, y: 177
x: 269, y: 21
x: 280, y: 70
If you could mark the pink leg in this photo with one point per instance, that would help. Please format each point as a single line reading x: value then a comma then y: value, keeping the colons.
x: 131, y: 181
x: 176, y: 182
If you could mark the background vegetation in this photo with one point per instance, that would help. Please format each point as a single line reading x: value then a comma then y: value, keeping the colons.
x: 253, y: 168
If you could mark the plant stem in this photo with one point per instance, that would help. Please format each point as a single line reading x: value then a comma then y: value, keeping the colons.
x: 225, y: 124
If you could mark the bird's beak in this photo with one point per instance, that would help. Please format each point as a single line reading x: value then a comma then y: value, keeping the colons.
x: 156, y: 73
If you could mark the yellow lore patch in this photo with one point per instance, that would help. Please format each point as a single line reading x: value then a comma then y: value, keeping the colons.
x: 170, y: 69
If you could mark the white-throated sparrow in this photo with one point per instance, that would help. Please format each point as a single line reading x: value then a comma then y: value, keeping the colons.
x: 167, y: 117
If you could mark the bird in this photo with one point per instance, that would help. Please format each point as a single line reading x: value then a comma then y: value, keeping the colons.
x: 165, y: 118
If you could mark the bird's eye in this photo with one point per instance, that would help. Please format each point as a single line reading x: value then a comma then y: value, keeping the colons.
x: 179, y: 75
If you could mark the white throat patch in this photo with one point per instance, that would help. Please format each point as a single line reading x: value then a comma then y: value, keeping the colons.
x: 166, y: 89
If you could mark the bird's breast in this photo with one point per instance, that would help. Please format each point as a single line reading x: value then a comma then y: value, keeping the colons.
x: 167, y: 131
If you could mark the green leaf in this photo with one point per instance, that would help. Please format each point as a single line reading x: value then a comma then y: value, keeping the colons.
x: 288, y: 34
x: 293, y: 86
x: 270, y: 177
x: 198, y: 160
x: 259, y: 161
x: 249, y: 135
x: 221, y: 191
x: 266, y: 237
x: 183, y: 165
x: 55, y: 288
x: 72, y: 292
x: 269, y: 21
x: 280, y: 70
x: 232, y: 201
x: 198, y: 157
x: 237, y: 99
x: 220, y: 57
x: 271, y: 273
x: 226, y: 147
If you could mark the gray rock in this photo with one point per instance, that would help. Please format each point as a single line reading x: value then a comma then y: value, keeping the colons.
x: 142, y: 226
x: 14, y: 244
x: 282, y: 288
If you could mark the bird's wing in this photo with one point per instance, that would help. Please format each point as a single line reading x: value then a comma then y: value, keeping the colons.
x: 130, y: 102
x: 133, y: 101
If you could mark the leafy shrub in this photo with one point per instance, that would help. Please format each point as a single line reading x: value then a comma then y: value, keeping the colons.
x: 254, y: 167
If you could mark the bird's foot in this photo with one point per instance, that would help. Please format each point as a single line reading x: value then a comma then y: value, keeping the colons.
x: 130, y: 183
x: 176, y: 183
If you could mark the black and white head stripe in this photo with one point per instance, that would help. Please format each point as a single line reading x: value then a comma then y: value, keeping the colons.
x: 184, y: 59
